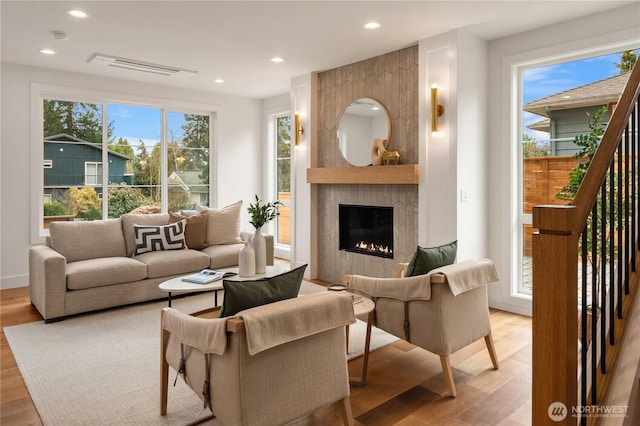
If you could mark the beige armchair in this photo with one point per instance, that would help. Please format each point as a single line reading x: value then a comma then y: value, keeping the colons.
x: 442, y: 311
x: 268, y: 365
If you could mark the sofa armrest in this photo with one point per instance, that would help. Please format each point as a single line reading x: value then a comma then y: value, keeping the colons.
x: 47, y: 281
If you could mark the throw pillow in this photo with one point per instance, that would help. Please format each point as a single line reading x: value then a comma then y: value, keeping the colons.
x: 241, y: 295
x: 156, y: 238
x: 195, y: 231
x: 426, y: 259
x: 223, y: 225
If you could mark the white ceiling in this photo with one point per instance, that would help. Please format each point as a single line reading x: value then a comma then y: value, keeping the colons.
x: 234, y: 40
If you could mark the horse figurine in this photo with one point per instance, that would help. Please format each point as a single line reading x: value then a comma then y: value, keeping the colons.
x: 390, y: 157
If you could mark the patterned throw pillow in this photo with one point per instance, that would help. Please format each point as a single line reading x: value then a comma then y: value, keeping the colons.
x: 155, y: 238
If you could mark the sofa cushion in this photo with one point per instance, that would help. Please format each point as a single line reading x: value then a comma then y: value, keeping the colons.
x: 195, y: 233
x: 426, y: 259
x: 129, y: 219
x: 105, y: 271
x: 223, y: 255
x: 173, y: 262
x: 241, y: 295
x: 223, y: 225
x: 87, y: 240
x: 158, y: 238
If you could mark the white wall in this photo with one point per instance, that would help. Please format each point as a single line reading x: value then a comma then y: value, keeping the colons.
x: 455, y: 159
x: 303, y: 213
x: 239, y: 150
x: 599, y: 31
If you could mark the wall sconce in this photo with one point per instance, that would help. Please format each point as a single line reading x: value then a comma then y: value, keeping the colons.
x: 436, y: 109
x: 299, y: 130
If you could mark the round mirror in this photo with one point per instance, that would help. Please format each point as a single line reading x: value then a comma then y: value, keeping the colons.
x: 362, y: 122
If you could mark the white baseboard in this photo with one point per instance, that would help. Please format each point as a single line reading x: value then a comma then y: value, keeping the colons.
x: 14, y: 282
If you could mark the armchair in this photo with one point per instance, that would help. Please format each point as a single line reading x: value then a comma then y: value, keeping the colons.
x: 442, y: 311
x: 267, y: 365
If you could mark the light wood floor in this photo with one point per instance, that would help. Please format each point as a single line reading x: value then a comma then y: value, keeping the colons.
x: 405, y: 385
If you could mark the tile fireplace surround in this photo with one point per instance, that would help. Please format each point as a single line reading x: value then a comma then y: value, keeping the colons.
x: 392, y: 80
x: 334, y: 263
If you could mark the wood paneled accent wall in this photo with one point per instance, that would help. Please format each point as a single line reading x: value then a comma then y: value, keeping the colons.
x: 392, y: 80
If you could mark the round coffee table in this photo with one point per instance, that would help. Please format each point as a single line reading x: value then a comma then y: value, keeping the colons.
x: 176, y: 285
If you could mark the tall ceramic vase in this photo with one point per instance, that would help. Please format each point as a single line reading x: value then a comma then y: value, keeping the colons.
x: 260, y: 246
x: 247, y: 260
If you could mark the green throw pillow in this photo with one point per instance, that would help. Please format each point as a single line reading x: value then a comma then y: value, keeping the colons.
x: 426, y: 259
x: 241, y: 295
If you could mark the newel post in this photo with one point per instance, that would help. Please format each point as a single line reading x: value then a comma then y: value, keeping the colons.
x: 555, y: 314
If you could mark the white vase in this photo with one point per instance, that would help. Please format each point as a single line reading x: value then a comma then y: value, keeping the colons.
x: 260, y: 246
x: 247, y: 260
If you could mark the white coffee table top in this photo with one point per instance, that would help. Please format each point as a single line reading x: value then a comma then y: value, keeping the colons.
x: 176, y: 285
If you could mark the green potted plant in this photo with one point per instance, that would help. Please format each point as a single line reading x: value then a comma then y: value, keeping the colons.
x: 260, y: 215
x: 263, y: 213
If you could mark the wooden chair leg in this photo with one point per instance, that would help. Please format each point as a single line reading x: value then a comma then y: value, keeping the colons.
x: 345, y: 408
x: 492, y: 350
x: 448, y: 375
x: 164, y: 367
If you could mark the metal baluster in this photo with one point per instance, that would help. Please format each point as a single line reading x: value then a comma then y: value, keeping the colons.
x: 603, y: 278
x: 594, y: 303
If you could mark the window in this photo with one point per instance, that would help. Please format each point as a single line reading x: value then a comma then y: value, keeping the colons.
x: 154, y: 159
x: 283, y: 178
x: 556, y: 102
x: 92, y: 173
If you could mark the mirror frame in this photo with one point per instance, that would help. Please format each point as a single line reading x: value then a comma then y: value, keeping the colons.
x: 371, y: 146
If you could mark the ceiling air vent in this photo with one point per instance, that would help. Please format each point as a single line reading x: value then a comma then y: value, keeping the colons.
x: 134, y: 65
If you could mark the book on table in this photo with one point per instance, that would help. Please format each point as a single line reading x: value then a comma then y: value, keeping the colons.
x: 207, y: 276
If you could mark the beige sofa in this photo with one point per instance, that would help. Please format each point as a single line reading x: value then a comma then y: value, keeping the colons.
x: 87, y: 266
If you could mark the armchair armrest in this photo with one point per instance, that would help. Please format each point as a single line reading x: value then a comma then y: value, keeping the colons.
x: 47, y: 281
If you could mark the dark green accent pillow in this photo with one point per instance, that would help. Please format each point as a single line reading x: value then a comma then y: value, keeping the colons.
x: 241, y: 295
x: 426, y: 259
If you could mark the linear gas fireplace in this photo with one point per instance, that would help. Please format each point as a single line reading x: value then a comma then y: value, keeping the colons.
x: 366, y: 229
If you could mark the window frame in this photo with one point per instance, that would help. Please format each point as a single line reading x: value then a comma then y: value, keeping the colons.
x: 99, y: 173
x: 513, y: 67
x: 40, y: 91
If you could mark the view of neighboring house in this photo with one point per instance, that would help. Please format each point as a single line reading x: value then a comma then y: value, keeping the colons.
x: 188, y: 186
x: 70, y: 161
x: 566, y: 112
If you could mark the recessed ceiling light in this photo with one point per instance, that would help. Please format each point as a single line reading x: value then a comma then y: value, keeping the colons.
x: 47, y: 51
x: 277, y: 59
x: 77, y: 13
x: 375, y: 108
x: 372, y: 25
x: 218, y: 80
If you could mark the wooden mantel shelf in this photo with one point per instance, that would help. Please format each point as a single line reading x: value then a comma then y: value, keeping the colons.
x: 404, y: 174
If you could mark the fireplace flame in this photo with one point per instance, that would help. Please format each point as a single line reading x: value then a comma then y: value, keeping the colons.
x: 373, y: 247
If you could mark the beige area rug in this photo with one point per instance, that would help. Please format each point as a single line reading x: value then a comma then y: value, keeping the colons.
x: 103, y: 368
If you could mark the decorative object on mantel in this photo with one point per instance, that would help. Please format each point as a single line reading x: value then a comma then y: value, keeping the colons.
x: 260, y: 215
x: 363, y: 121
x: 390, y: 157
x: 247, y: 259
x: 378, y: 149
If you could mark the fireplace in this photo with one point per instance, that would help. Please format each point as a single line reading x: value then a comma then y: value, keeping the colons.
x: 366, y: 229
